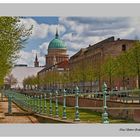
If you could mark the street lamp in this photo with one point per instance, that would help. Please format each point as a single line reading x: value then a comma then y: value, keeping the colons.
x: 56, y: 104
x: 9, y: 104
x: 105, y: 114
x: 50, y: 104
x: 77, y: 106
x: 64, y: 105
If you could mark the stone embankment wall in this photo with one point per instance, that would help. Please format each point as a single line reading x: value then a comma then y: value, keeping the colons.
x: 133, y: 113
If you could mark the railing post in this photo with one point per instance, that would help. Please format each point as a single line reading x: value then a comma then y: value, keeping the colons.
x: 20, y: 100
x: 105, y: 114
x: 9, y: 104
x: 23, y: 101
x: 139, y: 98
x: 56, y: 104
x: 35, y: 105
x: 41, y: 104
x: 26, y: 102
x: 28, y: 98
x: 76, y: 105
x: 45, y: 104
x: 64, y: 105
x: 31, y: 102
x: 38, y: 107
x: 50, y: 113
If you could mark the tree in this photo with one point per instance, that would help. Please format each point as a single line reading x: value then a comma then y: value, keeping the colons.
x: 90, y: 73
x: 64, y: 78
x: 31, y: 82
x: 134, y: 60
x: 108, y: 69
x: 122, y: 67
x: 13, y: 35
x: 10, y: 80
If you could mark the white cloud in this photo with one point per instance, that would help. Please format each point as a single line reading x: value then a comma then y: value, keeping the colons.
x: 43, y: 48
x: 38, y: 31
x: 41, y: 30
x: 52, y: 29
x: 82, y: 31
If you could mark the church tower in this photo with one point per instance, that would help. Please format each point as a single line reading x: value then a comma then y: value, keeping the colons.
x: 57, y: 51
x: 36, y: 62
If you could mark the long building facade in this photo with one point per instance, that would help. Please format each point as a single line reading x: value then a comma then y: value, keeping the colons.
x: 95, y: 55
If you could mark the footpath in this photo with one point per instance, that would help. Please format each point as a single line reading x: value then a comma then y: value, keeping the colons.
x: 17, y: 116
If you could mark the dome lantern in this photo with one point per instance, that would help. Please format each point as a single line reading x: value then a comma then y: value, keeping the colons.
x: 56, y: 35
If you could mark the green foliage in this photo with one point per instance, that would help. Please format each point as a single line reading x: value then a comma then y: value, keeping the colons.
x: 13, y: 34
x: 109, y: 68
x: 134, y: 61
x: 10, y: 80
x: 30, y: 82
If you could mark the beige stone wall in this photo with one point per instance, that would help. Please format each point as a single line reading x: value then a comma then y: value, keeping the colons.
x: 98, y: 52
x: 60, y: 55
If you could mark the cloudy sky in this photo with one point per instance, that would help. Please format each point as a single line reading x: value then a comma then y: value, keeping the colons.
x: 76, y: 32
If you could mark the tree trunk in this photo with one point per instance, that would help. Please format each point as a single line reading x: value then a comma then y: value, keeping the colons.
x: 110, y: 82
x: 138, y: 80
x: 123, y: 82
x: 99, y: 83
x: 138, y: 72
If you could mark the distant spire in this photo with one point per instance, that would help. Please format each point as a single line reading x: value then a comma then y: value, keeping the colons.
x: 56, y: 35
x: 36, y: 59
x: 36, y: 62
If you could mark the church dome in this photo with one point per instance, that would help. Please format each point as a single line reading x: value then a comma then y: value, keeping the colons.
x: 57, y: 43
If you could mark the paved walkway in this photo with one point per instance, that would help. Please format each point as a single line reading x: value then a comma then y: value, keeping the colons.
x: 18, y: 115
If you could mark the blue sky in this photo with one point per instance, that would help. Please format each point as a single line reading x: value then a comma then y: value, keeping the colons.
x: 76, y: 32
x: 34, y: 43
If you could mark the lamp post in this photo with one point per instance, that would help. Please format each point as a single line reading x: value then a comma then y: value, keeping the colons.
x: 56, y: 104
x: 77, y: 106
x: 26, y: 101
x: 64, y: 105
x: 32, y: 103
x: 50, y: 104
x: 9, y: 104
x: 38, y: 104
x: 35, y: 103
x: 41, y: 107
x: 105, y: 114
x: 45, y: 104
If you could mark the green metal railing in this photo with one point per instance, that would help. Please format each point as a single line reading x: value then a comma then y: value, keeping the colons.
x: 47, y: 102
x: 37, y: 102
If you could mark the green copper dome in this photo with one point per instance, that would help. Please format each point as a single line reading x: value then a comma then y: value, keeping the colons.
x: 57, y: 43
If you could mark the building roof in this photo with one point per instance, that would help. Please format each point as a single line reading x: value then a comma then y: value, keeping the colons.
x: 99, y: 45
x: 62, y: 64
x: 22, y: 72
x: 57, y: 43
